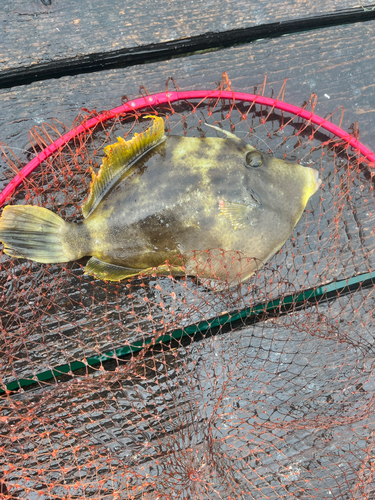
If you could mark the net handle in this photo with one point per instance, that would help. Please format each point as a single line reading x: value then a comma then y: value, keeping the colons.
x: 169, y: 97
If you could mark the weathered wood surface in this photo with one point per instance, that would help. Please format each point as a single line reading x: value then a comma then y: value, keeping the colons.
x: 43, y: 39
x: 336, y: 63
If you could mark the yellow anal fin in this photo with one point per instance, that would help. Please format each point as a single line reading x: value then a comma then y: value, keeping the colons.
x: 111, y: 272
x: 117, y: 159
x: 237, y: 213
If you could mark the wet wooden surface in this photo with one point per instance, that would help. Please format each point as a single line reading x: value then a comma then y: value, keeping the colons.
x: 46, y: 30
x: 43, y: 39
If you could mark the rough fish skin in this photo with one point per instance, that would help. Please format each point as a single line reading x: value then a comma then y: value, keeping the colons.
x: 173, y: 196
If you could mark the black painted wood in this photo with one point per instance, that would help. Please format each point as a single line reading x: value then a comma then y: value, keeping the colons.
x: 59, y: 41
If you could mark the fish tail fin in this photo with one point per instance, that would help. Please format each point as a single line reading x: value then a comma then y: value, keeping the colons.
x: 34, y: 233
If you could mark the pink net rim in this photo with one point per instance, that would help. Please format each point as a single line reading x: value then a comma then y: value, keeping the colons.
x: 170, y: 97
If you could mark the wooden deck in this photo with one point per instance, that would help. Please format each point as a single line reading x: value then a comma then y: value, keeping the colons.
x: 58, y: 56
x: 334, y: 61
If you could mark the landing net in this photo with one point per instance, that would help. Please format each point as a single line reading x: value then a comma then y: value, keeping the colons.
x: 179, y: 388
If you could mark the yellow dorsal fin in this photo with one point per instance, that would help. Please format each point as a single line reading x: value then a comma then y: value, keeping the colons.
x: 118, y: 158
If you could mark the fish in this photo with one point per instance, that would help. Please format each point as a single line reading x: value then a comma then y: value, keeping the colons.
x: 171, y: 205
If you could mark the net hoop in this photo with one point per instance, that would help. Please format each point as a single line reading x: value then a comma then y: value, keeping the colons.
x: 170, y: 97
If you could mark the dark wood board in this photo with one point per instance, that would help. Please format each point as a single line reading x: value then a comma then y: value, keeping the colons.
x: 43, y: 39
x: 336, y: 63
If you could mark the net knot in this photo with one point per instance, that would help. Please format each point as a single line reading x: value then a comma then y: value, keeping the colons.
x: 194, y: 475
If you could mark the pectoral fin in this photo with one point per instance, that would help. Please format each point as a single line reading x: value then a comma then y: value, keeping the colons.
x: 237, y: 213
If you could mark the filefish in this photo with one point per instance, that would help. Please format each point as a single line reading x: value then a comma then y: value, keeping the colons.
x: 157, y: 199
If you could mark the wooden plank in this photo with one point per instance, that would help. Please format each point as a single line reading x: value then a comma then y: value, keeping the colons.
x: 52, y: 39
x: 336, y: 63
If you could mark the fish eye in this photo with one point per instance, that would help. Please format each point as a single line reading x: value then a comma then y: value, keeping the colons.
x: 253, y: 159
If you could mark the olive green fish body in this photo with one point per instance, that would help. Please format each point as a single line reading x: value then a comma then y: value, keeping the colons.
x: 165, y: 206
x: 181, y: 195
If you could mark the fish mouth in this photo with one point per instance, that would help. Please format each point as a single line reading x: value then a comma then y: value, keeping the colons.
x: 317, y: 181
x: 312, y: 182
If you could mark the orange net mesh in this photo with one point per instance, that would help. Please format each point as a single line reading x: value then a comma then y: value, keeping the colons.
x: 178, y: 388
